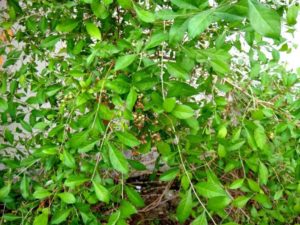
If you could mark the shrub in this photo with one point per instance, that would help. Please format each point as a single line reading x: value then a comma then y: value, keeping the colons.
x: 105, y: 104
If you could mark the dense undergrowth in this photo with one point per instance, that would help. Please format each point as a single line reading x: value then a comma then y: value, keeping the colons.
x: 148, y: 112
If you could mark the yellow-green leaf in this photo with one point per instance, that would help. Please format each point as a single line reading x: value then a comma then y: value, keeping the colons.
x: 93, y: 31
x: 67, y: 197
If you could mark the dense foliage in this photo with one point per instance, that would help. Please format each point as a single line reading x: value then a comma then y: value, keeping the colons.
x: 187, y: 94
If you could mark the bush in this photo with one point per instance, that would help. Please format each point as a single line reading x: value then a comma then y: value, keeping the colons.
x: 157, y: 112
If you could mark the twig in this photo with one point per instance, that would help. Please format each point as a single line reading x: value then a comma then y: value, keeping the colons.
x: 105, y: 136
x: 187, y: 174
x: 162, y: 66
x: 157, y: 202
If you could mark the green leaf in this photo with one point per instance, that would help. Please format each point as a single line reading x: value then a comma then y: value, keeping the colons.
x: 292, y: 14
x: 199, y: 23
x: 101, y: 192
x: 24, y: 187
x: 177, y: 31
x: 126, y: 4
x: 170, y: 174
x: 167, y: 14
x: 210, y: 190
x: 8, y: 136
x: 183, y: 4
x: 41, y: 193
x: 118, y: 160
x: 222, y: 132
x: 169, y: 104
x: 67, y: 26
x: 73, y: 181
x: 134, y: 197
x: 183, y: 112
x: 177, y: 71
x: 156, y: 40
x: 4, y: 191
x: 263, y: 173
x: 180, y: 89
x: 99, y: 9
x: 3, y: 105
x: 40, y: 126
x: 82, y: 99
x: 118, y: 85
x: 163, y: 148
x: 200, y: 220
x: 60, y: 216
x: 260, y: 137
x: 11, y: 217
x: 127, y: 139
x: 26, y: 126
x: 218, y: 203
x: 253, y: 185
x: 240, y: 201
x: 220, y: 66
x: 135, y: 164
x: 236, y: 184
x: 49, y: 42
x: 184, y: 208
x: 143, y: 15
x: 114, y: 218
x: 78, y: 139
x: 67, y: 197
x: 131, y: 99
x: 124, y: 61
x: 68, y: 159
x: 87, y: 147
x: 263, y: 200
x: 93, y: 31
x: 105, y: 112
x: 193, y: 123
x: 264, y: 20
x: 127, y: 209
x: 42, y: 219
